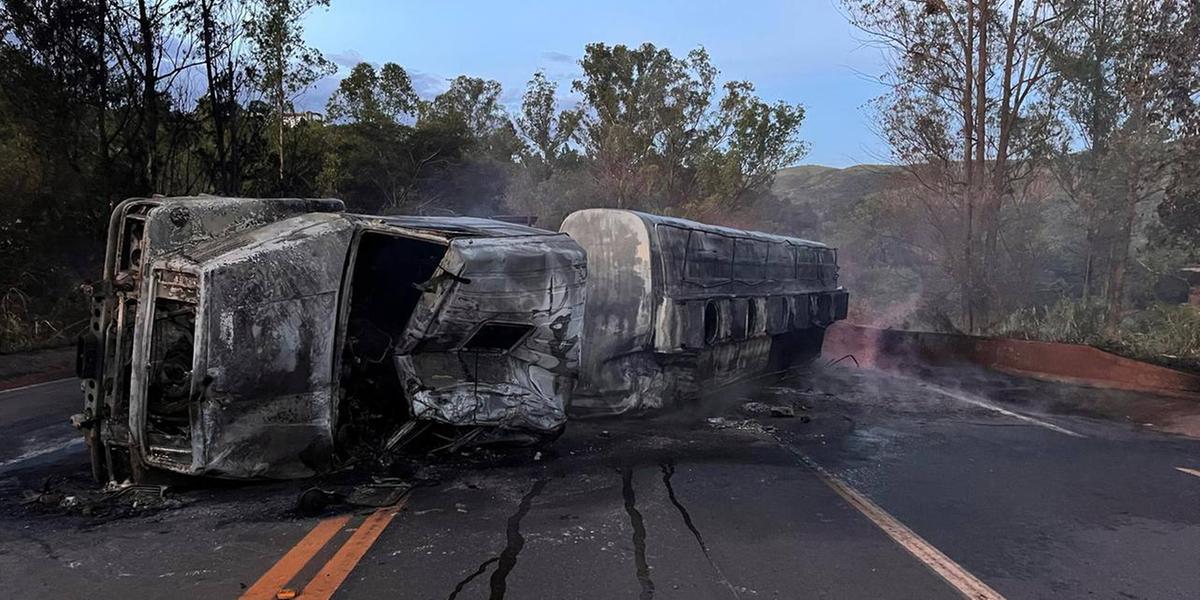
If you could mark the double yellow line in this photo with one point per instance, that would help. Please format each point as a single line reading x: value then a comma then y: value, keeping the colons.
x: 334, y: 572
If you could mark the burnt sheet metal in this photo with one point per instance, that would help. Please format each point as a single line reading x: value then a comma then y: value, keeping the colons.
x: 142, y: 230
x: 676, y: 308
x: 262, y: 376
x: 495, y: 340
x: 226, y: 314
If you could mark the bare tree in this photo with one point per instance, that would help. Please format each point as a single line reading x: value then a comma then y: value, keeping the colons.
x: 964, y: 116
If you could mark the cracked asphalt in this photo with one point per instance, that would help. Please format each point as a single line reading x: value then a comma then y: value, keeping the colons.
x: 1035, y: 490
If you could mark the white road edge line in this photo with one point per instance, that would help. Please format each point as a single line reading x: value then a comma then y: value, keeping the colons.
x: 1195, y: 472
x: 34, y: 385
x: 951, y: 572
x: 44, y: 450
x: 961, y: 397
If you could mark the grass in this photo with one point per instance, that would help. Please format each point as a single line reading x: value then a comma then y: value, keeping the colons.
x: 1165, y: 334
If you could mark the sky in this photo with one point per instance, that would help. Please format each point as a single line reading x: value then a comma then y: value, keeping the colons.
x: 803, y: 51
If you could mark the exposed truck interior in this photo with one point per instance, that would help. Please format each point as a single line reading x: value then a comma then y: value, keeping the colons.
x: 169, y: 406
x: 385, y: 281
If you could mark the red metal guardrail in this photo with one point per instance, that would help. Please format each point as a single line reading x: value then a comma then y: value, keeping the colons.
x: 1067, y: 363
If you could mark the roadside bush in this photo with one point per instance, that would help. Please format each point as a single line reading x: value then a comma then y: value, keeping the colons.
x: 1067, y: 320
x: 1163, y: 333
x: 1166, y: 334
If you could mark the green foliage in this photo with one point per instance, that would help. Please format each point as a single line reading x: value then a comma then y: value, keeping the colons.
x: 1067, y: 320
x: 283, y: 64
x: 547, y: 131
x: 656, y: 137
x: 1167, y: 334
x: 471, y: 109
x: 365, y: 96
x: 1162, y: 333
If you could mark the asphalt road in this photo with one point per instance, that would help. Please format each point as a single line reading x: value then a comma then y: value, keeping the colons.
x: 882, y: 487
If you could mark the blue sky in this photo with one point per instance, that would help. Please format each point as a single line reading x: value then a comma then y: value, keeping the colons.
x: 802, y: 51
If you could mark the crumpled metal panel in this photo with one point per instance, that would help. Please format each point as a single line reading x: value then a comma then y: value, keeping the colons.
x: 141, y: 231
x: 265, y: 343
x: 536, y: 281
x: 183, y: 223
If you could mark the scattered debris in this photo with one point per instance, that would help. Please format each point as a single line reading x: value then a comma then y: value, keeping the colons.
x: 756, y: 408
x: 379, y: 492
x: 315, y: 500
x: 783, y: 411
x: 113, y: 499
x: 739, y: 424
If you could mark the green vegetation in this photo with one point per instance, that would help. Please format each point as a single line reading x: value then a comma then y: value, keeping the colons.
x: 1043, y: 179
x: 109, y: 99
x: 898, y: 283
x: 1163, y: 334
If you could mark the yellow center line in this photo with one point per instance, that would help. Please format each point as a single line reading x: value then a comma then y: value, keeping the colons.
x: 1195, y: 472
x: 951, y: 572
x: 331, y: 576
x: 283, y: 571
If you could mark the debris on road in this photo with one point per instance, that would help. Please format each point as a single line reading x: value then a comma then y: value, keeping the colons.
x: 783, y: 411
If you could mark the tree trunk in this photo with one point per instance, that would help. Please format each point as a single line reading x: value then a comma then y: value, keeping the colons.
x: 102, y: 95
x: 149, y: 99
x: 234, y: 171
x: 280, y: 72
x: 968, y: 103
x: 1089, y: 262
x: 978, y: 297
x: 216, y: 104
x: 1115, y: 299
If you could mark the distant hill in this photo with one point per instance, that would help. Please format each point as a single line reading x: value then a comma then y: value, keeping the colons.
x: 813, y: 201
x: 809, y: 184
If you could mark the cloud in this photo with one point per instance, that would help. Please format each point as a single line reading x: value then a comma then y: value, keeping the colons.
x: 316, y: 97
x: 558, y: 57
x: 428, y: 85
x: 347, y: 58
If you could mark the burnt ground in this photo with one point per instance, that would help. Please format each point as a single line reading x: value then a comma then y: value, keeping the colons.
x: 1037, y: 490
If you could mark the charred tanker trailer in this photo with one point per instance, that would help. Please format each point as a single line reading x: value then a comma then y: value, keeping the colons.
x: 678, y: 308
x: 248, y: 338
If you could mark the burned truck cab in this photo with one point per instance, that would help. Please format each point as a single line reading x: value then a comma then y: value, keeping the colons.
x: 677, y: 309
x: 270, y: 338
x: 142, y: 233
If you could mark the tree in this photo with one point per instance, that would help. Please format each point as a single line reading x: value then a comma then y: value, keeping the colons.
x: 220, y: 25
x: 365, y: 96
x: 963, y: 115
x: 376, y: 161
x: 1109, y: 61
x: 546, y: 130
x: 1179, y: 82
x: 655, y: 140
x: 472, y: 108
x: 284, y: 65
x: 752, y: 140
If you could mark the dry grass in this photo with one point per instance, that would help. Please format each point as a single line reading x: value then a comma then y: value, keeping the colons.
x: 1165, y: 334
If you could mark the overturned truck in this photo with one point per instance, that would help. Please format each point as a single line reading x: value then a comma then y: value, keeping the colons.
x: 253, y: 338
